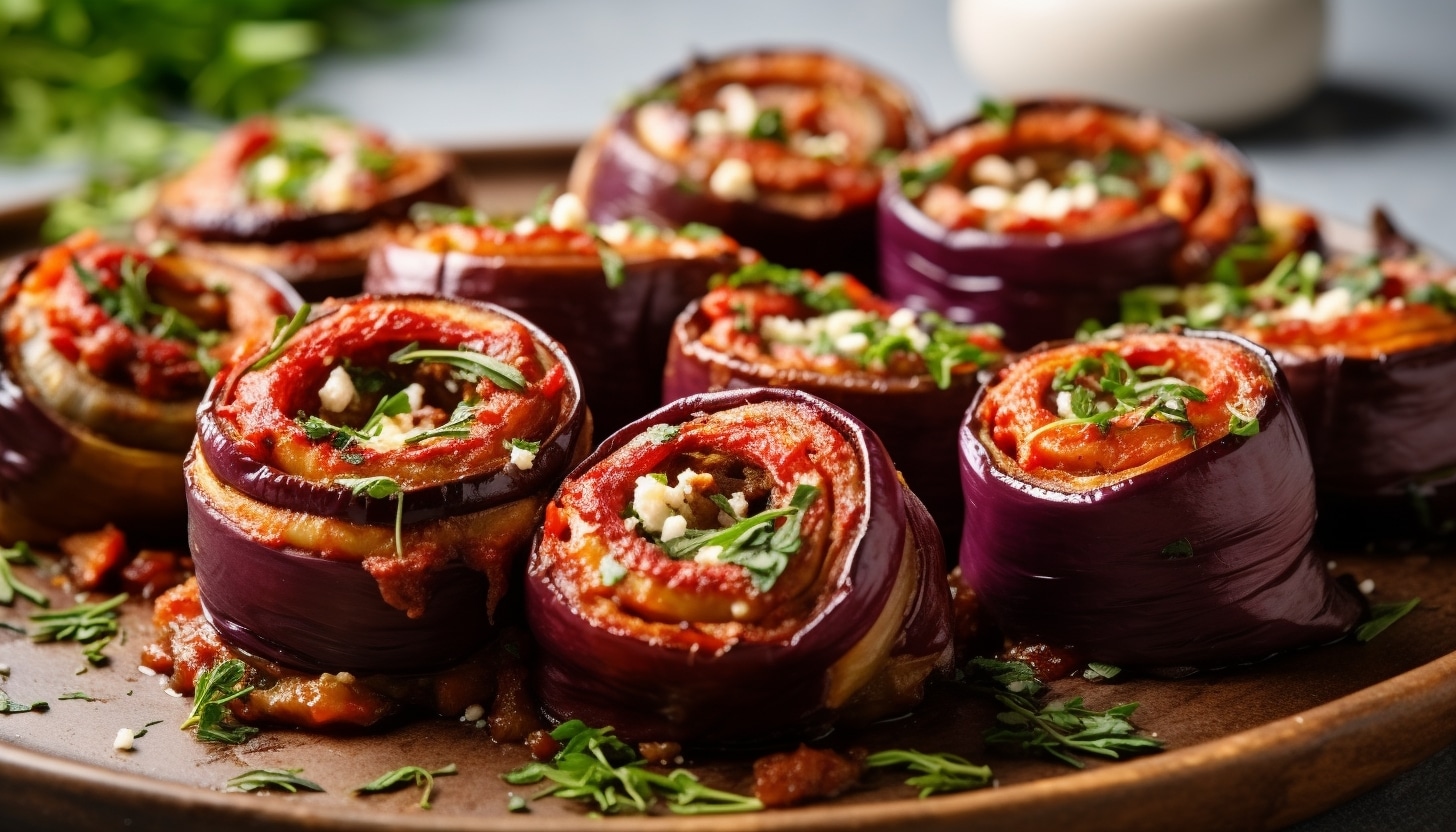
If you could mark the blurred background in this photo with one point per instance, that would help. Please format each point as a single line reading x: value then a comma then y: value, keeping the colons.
x: 1340, y: 104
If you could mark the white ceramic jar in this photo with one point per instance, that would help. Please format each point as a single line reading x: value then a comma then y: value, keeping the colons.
x: 1219, y: 63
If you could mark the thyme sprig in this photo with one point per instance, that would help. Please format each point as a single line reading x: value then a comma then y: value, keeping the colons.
x: 1061, y: 729
x: 91, y: 625
x: 938, y: 772
x: 283, y: 779
x: 284, y: 328
x: 595, y: 766
x: 214, y: 688
x: 458, y: 426
x: 404, y: 776
x: 11, y: 586
x: 381, y: 488
x: 471, y: 364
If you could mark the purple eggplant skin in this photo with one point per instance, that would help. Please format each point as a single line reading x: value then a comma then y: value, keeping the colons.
x: 622, y: 180
x: 1383, y: 442
x: 918, y: 422
x: 487, y: 489
x: 616, y: 336
x: 1104, y: 571
x: 756, y: 691
x: 325, y: 616
x: 1035, y: 288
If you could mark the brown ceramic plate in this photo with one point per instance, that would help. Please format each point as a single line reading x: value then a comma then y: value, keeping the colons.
x: 1256, y: 747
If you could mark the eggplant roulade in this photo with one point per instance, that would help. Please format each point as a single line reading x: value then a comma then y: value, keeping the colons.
x: 1036, y: 217
x: 107, y: 352
x: 1146, y: 501
x: 358, y: 493
x: 1368, y: 343
x: 736, y: 567
x: 608, y: 293
x: 781, y: 150
x: 908, y: 376
x: 307, y: 196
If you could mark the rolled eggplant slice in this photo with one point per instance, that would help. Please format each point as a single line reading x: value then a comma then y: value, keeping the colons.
x: 1036, y: 217
x: 1147, y: 501
x: 736, y: 567
x: 1368, y: 343
x: 781, y: 150
x: 107, y: 351
x: 608, y: 293
x: 306, y: 196
x: 908, y: 376
x: 358, y: 495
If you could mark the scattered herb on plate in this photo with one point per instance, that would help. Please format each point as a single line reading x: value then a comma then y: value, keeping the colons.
x: 401, y: 777
x: 282, y: 779
x: 215, y: 687
x: 938, y: 772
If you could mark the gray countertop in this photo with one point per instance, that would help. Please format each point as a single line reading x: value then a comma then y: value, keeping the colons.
x: 1382, y: 128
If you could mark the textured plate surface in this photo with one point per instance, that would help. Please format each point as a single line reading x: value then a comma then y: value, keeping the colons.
x: 1252, y: 747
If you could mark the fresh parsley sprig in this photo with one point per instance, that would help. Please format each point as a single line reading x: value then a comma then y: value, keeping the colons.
x: 1060, y: 729
x: 472, y: 365
x: 1382, y: 616
x: 11, y: 586
x: 753, y: 543
x: 1103, y: 389
x: 593, y: 765
x: 91, y: 625
x: 459, y: 425
x: 213, y: 689
x: 283, y: 779
x: 381, y: 488
x: 915, y: 181
x: 284, y: 328
x: 938, y: 772
x: 401, y: 777
x: 342, y: 436
x: 828, y: 295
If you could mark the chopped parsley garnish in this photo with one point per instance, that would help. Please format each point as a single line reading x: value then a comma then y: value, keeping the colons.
x: 10, y: 706
x: 433, y: 213
x: 78, y: 695
x: 471, y: 365
x: 1103, y: 389
x: 1000, y: 112
x: 611, y: 571
x: 283, y: 779
x: 284, y: 328
x: 459, y: 425
x: 698, y: 231
x: 825, y: 297
x: 769, y: 125
x: 11, y: 586
x: 381, y: 488
x: 341, y: 436
x: 614, y: 266
x: 1100, y: 671
x: 90, y: 625
x: 525, y: 445
x: 915, y: 181
x: 1382, y: 616
x: 401, y: 777
x: 662, y: 434
x: 1060, y: 729
x: 214, y: 688
x: 594, y: 766
x: 131, y: 305
x: 938, y: 772
x: 1241, y: 425
x: 753, y: 542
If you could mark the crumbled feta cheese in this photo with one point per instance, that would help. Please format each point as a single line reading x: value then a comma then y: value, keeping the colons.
x: 522, y: 458
x: 416, y: 396
x: 903, y: 318
x: 663, y: 128
x: 833, y: 146
x: 473, y: 713
x: 1332, y: 566
x: 1367, y: 587
x: 176, y: 694
x: 631, y: 523
x: 1058, y: 203
x: 524, y: 226
x: 851, y: 343
x: 994, y: 170
x: 1084, y: 196
x: 841, y: 323
x: 682, y: 248
x: 615, y: 233
x: 4, y: 670
x: 649, y: 501
x: 733, y: 180
x: 710, y: 123
x: 145, y: 671
x: 1025, y: 167
x: 1032, y: 199
x: 708, y: 554
x: 739, y: 504
x: 1081, y: 171
x: 124, y: 739
x: 1064, y: 404
x: 568, y: 213
x: 345, y: 677
x: 740, y: 108
x: 270, y: 171
x: 338, y: 391
x: 674, y: 527
x: 989, y: 197
x: 333, y: 190
x: 740, y: 609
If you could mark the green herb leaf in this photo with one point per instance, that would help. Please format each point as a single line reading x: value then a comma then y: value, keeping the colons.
x: 77, y: 695
x: 938, y: 772
x: 753, y: 543
x: 698, y: 231
x: 92, y: 625
x: 611, y: 571
x: 516, y: 803
x: 10, y: 706
x: 526, y: 445
x: 1000, y: 112
x: 595, y: 766
x: 214, y: 688
x: 828, y: 296
x: 283, y: 779
x: 769, y: 125
x: 461, y: 420
x: 381, y: 488
x: 1382, y: 616
x: 1100, y: 670
x: 1241, y: 425
x: 1178, y: 549
x: 283, y: 331
x: 11, y: 586
x: 472, y: 365
x: 402, y: 777
x: 614, y: 266
x: 915, y: 181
